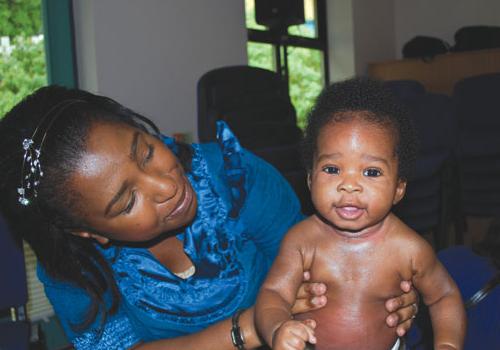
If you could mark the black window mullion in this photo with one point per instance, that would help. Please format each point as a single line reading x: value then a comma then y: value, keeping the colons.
x: 263, y: 36
x: 322, y: 35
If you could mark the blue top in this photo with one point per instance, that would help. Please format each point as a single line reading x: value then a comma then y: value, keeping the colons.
x: 244, y: 209
x: 471, y: 272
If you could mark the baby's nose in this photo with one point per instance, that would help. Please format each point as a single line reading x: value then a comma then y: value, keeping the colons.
x: 349, y: 184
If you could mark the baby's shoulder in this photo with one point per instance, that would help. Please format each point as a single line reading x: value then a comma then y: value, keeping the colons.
x: 409, y: 241
x: 304, y: 231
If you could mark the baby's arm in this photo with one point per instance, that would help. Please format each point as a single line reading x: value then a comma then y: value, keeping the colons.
x: 441, y: 295
x: 276, y: 297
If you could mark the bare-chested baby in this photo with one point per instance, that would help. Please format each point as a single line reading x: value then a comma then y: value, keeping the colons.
x: 359, y: 148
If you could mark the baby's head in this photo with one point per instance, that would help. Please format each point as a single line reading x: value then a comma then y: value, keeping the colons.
x: 367, y: 100
x: 359, y: 149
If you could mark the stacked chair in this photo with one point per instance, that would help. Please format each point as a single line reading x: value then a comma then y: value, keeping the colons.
x: 14, y: 329
x: 254, y: 102
x: 477, y: 105
x: 428, y: 205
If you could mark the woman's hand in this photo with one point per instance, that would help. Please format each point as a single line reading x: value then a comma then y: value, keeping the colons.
x: 402, y: 309
x: 310, y: 296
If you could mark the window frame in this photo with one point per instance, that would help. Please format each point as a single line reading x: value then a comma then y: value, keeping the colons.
x: 281, y: 41
x: 59, y: 41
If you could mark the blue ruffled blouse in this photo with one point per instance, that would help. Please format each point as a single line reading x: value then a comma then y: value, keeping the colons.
x: 244, y: 209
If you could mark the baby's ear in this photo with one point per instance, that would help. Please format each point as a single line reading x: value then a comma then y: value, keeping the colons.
x: 86, y: 234
x: 400, y: 191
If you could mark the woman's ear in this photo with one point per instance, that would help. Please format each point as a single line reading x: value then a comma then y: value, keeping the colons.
x: 400, y: 191
x: 86, y: 234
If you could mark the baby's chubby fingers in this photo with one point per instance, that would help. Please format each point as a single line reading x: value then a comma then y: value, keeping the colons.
x: 305, y: 333
x: 294, y: 335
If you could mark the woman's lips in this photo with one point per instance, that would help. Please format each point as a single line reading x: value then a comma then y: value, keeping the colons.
x: 349, y: 212
x: 183, y: 204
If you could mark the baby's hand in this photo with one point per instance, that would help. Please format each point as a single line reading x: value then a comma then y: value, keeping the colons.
x: 293, y: 335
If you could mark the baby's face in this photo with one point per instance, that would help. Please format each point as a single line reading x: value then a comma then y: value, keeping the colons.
x: 354, y: 180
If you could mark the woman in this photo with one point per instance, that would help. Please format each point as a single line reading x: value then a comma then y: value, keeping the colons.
x: 143, y: 242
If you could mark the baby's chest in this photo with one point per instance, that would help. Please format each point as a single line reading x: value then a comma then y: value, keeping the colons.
x: 361, y: 274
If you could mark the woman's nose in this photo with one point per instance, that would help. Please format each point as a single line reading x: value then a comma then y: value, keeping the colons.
x: 161, y: 188
x: 349, y: 184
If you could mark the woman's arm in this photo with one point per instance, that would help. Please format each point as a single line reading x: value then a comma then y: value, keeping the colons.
x: 215, y: 337
x: 309, y: 296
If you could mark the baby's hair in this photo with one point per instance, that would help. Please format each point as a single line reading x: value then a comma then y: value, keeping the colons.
x: 371, y: 101
x: 55, y: 212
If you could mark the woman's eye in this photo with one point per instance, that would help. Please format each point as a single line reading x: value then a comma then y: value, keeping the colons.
x: 149, y: 155
x: 130, y: 205
x: 332, y: 170
x: 372, y: 172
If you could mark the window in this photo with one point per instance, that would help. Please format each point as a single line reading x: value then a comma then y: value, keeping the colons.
x: 22, y: 57
x: 35, y: 49
x: 299, y: 53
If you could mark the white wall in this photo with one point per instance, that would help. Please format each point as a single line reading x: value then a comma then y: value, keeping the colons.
x: 359, y: 32
x: 363, y: 31
x: 441, y: 18
x: 149, y: 54
x: 373, y: 31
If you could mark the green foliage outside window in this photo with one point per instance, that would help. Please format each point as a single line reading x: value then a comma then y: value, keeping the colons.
x: 22, y: 57
x: 305, y: 66
x: 305, y: 80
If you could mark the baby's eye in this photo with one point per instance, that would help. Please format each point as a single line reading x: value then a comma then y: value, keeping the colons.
x: 372, y: 172
x: 332, y: 170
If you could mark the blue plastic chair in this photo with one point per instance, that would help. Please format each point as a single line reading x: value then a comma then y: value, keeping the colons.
x: 14, y: 331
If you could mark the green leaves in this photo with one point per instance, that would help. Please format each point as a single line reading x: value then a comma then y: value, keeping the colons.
x: 20, y: 17
x: 22, y: 61
x: 21, y: 72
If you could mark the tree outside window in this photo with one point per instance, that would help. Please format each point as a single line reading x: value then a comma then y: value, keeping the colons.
x: 22, y: 55
x: 305, y: 49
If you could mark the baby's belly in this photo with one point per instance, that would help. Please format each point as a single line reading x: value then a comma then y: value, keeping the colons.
x: 352, y: 327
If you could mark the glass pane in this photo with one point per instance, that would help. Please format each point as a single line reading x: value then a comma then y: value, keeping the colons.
x: 250, y: 16
x: 306, y: 79
x: 308, y: 29
x: 22, y: 55
x: 261, y: 55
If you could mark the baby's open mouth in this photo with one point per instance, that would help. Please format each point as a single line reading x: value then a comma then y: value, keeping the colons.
x: 349, y: 212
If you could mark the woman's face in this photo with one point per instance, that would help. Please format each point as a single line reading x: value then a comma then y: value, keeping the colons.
x: 132, y: 187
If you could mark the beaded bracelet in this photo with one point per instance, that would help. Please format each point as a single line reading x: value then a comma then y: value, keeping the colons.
x: 236, y: 334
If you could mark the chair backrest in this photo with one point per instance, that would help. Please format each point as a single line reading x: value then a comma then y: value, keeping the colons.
x: 477, y: 104
x: 13, y: 292
x: 253, y: 101
x: 424, y: 207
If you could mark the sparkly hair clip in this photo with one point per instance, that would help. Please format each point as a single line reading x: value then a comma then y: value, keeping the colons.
x: 31, y: 171
x: 30, y: 181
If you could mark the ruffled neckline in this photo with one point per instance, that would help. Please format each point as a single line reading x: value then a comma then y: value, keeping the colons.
x: 212, y: 243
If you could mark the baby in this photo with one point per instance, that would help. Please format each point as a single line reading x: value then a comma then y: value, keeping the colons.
x: 359, y: 148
